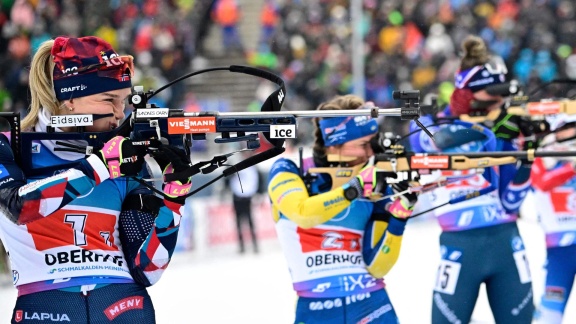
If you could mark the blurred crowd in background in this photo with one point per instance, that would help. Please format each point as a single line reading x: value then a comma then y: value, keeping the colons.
x: 159, y: 34
x: 412, y: 44
x: 409, y: 44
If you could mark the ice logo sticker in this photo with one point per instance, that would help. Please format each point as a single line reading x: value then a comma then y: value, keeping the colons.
x: 3, y: 172
x: 283, y: 131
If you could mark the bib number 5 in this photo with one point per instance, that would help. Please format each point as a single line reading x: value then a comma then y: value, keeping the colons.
x: 447, y: 277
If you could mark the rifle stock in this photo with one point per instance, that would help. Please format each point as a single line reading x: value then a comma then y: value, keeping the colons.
x: 339, y: 175
x: 534, y: 110
x: 411, y: 166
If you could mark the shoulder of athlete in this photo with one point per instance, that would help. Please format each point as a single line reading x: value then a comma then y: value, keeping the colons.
x: 282, y: 165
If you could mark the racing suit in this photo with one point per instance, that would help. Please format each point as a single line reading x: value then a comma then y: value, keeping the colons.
x: 75, y: 254
x: 337, y: 250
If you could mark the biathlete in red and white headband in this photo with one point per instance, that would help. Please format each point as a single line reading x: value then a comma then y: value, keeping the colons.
x: 80, y: 249
x: 338, y: 243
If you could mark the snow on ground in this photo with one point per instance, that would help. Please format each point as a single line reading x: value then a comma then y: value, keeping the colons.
x: 221, y: 286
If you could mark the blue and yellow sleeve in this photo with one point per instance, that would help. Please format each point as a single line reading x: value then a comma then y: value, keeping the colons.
x: 382, y: 242
x: 289, y: 196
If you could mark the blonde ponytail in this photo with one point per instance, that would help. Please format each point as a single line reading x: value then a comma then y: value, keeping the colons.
x: 41, y: 85
x: 475, y: 52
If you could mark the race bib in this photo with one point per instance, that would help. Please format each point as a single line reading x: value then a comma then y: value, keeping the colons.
x: 447, y: 277
x: 522, y: 266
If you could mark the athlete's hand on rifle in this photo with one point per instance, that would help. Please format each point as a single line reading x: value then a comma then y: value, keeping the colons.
x: 173, y: 160
x: 507, y: 126
x: 367, y: 180
x: 121, y: 157
x: 403, y: 205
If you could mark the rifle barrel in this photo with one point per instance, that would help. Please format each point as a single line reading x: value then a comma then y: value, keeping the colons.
x: 515, y: 154
x: 304, y: 113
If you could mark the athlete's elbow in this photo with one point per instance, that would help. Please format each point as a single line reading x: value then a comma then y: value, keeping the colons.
x: 304, y: 222
x: 379, y: 272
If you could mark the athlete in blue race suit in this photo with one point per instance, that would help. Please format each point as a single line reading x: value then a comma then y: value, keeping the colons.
x: 480, y: 242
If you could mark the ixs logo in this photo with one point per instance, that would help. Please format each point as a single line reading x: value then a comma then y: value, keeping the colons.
x: 187, y: 125
x: 20, y: 315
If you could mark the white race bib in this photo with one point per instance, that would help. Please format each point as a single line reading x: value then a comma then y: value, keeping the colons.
x: 447, y: 277
x: 522, y: 266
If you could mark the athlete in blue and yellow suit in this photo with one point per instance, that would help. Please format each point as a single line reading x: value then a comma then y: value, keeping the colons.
x: 339, y: 245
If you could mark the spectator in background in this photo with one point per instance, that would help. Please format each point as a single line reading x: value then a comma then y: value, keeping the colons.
x: 411, y: 44
x: 243, y: 188
x: 227, y: 14
x: 164, y: 29
x: 268, y: 20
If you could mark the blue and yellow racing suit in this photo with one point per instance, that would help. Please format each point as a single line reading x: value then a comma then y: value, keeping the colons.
x: 338, y: 251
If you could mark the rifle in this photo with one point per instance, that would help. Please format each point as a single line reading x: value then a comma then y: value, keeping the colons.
x: 533, y: 113
x: 423, y: 170
x: 175, y: 127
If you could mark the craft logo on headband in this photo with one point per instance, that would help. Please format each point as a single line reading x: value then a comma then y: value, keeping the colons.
x: 88, y: 65
x: 339, y: 130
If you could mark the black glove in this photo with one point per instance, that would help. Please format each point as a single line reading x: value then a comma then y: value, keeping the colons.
x: 121, y: 157
x: 167, y: 155
x: 507, y: 126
